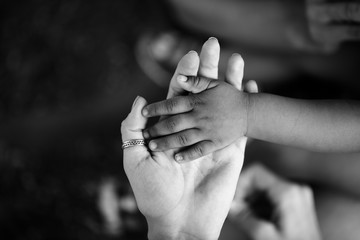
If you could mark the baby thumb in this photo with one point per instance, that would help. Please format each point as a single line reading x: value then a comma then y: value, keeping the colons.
x: 196, y: 84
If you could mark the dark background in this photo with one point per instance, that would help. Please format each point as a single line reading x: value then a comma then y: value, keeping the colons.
x: 68, y: 76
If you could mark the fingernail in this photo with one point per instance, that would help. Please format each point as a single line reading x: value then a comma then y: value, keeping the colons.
x: 192, y: 51
x: 182, y: 78
x: 212, y: 38
x: 152, y: 145
x: 134, y: 103
x: 145, y: 112
x: 146, y: 134
x: 178, y: 158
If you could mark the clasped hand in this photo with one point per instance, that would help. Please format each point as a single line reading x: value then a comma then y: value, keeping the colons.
x: 192, y: 200
x: 209, y: 119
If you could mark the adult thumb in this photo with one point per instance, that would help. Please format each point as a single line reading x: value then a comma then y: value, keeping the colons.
x: 196, y: 84
x: 133, y: 125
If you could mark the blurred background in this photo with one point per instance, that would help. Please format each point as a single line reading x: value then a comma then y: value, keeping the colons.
x: 69, y: 72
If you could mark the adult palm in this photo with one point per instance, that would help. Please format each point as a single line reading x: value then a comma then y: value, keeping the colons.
x: 189, y: 200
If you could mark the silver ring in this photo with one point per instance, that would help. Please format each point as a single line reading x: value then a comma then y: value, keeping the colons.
x: 132, y: 143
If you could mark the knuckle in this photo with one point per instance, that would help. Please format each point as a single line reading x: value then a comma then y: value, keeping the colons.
x: 171, y: 125
x: 182, y: 139
x: 194, y: 101
x: 197, y: 81
x: 153, y: 109
x: 198, y: 151
x: 163, y: 143
x: 170, y: 106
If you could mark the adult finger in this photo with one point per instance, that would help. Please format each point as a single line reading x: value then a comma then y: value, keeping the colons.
x: 209, y: 59
x: 235, y: 71
x: 196, y: 84
x: 177, y: 140
x: 169, y: 126
x: 176, y: 105
x: 196, y: 151
x: 188, y: 65
x: 251, y: 87
x: 332, y: 12
x: 132, y: 126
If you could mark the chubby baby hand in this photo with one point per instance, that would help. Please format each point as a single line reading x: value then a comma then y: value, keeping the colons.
x: 212, y: 116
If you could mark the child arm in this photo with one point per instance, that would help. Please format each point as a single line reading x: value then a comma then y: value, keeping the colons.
x: 317, y: 125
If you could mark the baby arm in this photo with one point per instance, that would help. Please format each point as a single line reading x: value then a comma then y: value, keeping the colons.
x: 216, y: 117
x: 317, y: 125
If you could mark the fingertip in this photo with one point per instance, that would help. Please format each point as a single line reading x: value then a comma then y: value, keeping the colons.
x: 134, y: 103
x: 145, y: 112
x: 138, y: 107
x: 152, y: 145
x: 184, y: 82
x: 235, y: 71
x: 189, y: 63
x: 181, y: 78
x: 236, y: 65
x: 212, y: 46
x: 251, y: 86
x: 186, y: 156
x: 193, y: 53
x: 133, y: 124
x: 179, y: 158
x: 146, y: 134
x: 237, y: 61
x: 212, y: 40
x: 139, y: 102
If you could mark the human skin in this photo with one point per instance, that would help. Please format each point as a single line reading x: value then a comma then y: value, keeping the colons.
x: 292, y: 207
x: 212, y: 119
x: 184, y: 201
x: 315, y: 26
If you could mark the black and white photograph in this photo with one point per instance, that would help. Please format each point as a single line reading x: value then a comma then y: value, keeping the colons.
x: 180, y: 120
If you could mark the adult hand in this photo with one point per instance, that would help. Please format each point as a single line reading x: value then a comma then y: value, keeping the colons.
x: 293, y: 215
x: 184, y: 201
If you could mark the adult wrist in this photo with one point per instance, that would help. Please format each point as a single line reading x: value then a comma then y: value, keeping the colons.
x: 157, y: 231
x: 161, y: 231
x: 156, y: 235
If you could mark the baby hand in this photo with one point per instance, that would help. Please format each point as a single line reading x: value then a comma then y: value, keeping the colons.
x: 203, y: 121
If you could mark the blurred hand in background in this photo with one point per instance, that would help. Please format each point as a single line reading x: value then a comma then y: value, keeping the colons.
x: 268, y: 207
x: 329, y: 25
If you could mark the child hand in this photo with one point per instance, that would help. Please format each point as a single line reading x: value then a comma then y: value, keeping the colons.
x: 203, y: 121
